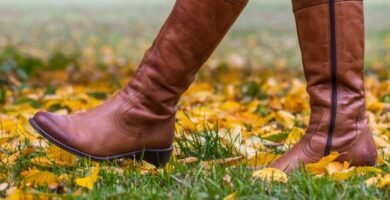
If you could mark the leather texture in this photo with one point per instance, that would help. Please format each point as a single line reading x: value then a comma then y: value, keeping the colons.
x: 300, y: 4
x: 142, y: 114
x: 351, y: 134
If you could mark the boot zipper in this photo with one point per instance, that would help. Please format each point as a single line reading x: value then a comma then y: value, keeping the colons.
x: 333, y: 54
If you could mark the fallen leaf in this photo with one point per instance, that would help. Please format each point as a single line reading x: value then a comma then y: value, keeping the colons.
x: 231, y: 196
x: 189, y: 160
x: 380, y: 142
x: 319, y: 167
x: 145, y: 167
x: 60, y: 157
x: 40, y: 178
x: 352, y: 172
x: 385, y: 181
x: 335, y: 167
x: 260, y: 159
x: 19, y: 194
x: 230, y: 106
x: 89, y: 181
x: 294, y: 136
x: 271, y: 174
x: 371, y: 181
x: 285, y: 118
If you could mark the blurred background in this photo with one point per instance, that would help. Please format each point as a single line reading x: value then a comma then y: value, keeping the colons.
x: 79, y: 41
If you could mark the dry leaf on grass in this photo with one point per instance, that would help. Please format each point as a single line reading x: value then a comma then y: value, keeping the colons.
x: 335, y: 167
x: 319, y: 167
x: 55, y: 157
x: 231, y: 196
x: 294, y: 136
x: 260, y: 159
x: 285, y: 118
x: 379, y: 181
x: 353, y: 172
x: 271, y: 174
x: 188, y: 160
x: 90, y: 180
x: 36, y: 177
x: 18, y: 194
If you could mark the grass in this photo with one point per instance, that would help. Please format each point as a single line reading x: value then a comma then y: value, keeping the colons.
x: 194, y: 182
x: 197, y: 181
x: 205, y: 145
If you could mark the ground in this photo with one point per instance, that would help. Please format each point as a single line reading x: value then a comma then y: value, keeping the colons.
x: 247, y: 106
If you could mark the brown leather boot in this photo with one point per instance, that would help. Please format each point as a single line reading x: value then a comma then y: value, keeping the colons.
x: 138, y: 122
x: 331, y: 36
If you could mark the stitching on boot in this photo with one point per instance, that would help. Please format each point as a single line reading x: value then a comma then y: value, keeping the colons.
x: 130, y: 104
x: 307, y: 149
x: 358, y: 126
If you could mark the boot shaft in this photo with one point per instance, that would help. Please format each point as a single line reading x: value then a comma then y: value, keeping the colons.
x: 314, y: 25
x: 331, y: 37
x: 188, y: 37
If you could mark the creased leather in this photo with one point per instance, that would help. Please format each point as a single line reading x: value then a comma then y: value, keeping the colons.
x: 142, y: 114
x: 351, y: 136
x: 300, y: 4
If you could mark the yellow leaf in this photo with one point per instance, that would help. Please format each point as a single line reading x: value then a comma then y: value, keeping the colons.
x: 230, y: 106
x: 7, y: 138
x: 189, y: 160
x: 371, y: 181
x: 39, y: 178
x: 385, y: 181
x: 42, y: 161
x: 318, y: 168
x: 373, y: 104
x: 364, y: 170
x: 380, y: 142
x: 60, y: 157
x: 186, y: 121
x: 260, y: 159
x: 145, y: 168
x: 271, y: 174
x: 345, y: 174
x: 334, y: 167
x: 285, y: 118
x: 89, y: 181
x: 231, y: 196
x: 294, y: 136
x: 271, y: 86
x: 11, y: 159
x: 18, y: 194
x: 295, y: 101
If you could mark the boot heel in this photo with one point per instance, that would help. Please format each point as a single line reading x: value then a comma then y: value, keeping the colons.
x: 364, y: 152
x: 159, y: 158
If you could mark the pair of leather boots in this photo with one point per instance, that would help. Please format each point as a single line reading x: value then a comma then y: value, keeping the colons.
x: 138, y: 122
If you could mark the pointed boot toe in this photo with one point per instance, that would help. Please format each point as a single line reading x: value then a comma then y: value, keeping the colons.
x: 47, y: 125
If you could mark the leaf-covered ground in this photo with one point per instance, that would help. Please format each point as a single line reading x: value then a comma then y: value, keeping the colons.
x: 228, y: 126
x: 247, y: 107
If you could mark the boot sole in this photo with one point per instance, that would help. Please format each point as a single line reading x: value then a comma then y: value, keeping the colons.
x: 157, y: 157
